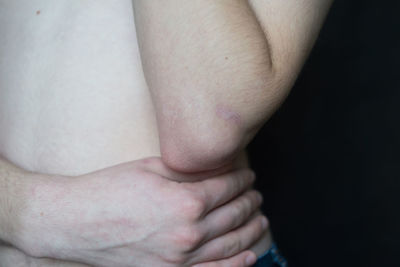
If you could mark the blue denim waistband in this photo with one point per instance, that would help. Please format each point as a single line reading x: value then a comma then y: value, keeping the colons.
x: 271, y: 258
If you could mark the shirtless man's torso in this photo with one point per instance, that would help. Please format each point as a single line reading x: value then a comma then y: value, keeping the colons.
x: 73, y: 97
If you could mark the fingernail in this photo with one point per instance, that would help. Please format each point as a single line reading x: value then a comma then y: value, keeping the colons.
x: 251, y: 259
x: 264, y: 223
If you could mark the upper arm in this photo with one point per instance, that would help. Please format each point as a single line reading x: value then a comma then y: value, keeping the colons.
x: 218, y: 69
x: 290, y: 27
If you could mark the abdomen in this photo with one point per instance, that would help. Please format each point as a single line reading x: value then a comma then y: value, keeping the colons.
x: 73, y: 98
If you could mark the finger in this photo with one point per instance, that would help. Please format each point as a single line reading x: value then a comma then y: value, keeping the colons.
x: 216, y: 190
x: 233, y: 242
x: 221, y: 189
x: 243, y: 259
x: 259, y: 247
x: 231, y: 215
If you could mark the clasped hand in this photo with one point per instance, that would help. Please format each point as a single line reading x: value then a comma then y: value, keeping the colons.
x: 133, y: 214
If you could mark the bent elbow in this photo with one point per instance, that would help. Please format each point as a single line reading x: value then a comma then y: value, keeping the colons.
x: 190, y: 151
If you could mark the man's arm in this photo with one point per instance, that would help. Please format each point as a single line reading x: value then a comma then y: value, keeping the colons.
x: 13, y: 192
x: 218, y: 69
x: 108, y: 218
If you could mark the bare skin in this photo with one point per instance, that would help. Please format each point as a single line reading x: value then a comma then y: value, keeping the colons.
x: 132, y: 214
x: 74, y: 100
x: 219, y: 69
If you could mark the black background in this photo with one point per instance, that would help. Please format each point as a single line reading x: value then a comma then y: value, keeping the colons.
x: 328, y: 161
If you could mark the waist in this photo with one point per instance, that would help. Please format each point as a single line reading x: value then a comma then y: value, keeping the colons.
x: 78, y: 136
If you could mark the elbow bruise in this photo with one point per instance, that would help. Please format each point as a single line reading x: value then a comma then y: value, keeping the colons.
x: 207, y: 141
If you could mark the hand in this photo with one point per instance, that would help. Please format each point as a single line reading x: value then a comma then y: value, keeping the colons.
x: 131, y: 215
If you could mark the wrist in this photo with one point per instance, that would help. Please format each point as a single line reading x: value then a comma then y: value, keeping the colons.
x: 30, y: 221
x: 12, y: 187
x: 33, y: 223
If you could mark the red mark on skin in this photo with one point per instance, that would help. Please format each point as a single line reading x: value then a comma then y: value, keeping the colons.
x: 38, y: 12
x: 227, y: 114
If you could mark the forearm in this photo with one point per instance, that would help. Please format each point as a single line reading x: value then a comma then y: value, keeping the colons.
x: 13, y: 199
x: 202, y: 76
x: 217, y: 70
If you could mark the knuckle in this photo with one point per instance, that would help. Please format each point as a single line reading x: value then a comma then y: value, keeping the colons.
x: 233, y: 247
x: 34, y: 251
x: 193, y: 207
x: 248, y: 201
x: 188, y: 239
x: 238, y: 208
x: 174, y: 259
x: 245, y: 207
